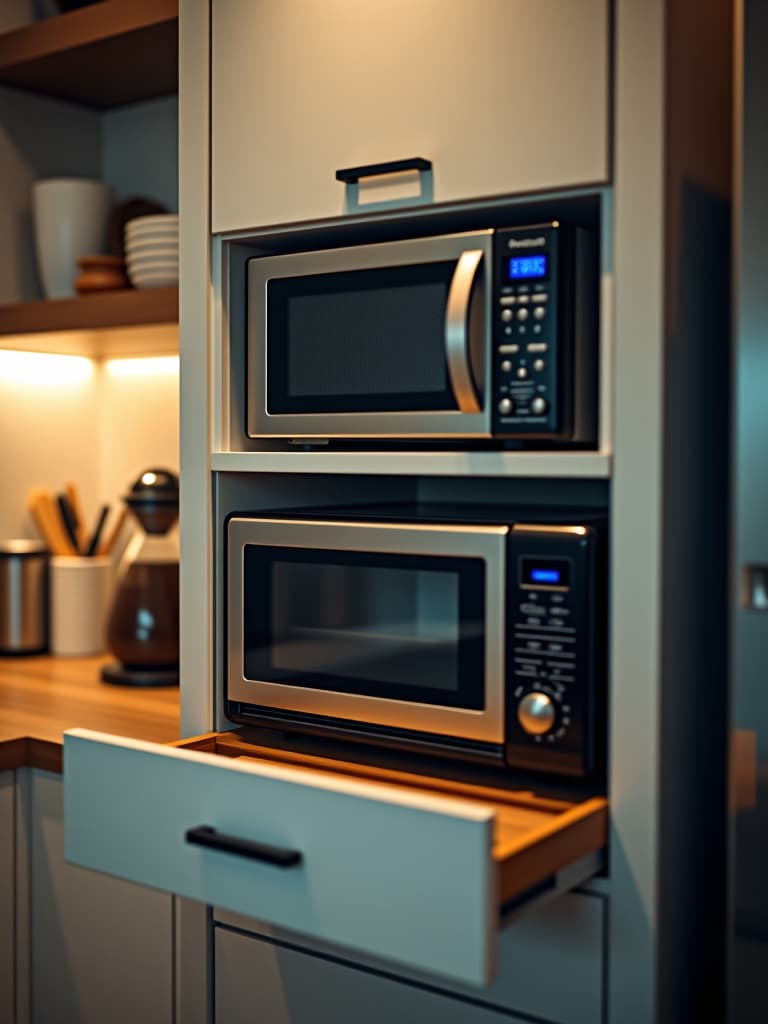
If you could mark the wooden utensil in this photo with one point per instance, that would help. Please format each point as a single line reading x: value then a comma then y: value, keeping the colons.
x: 45, y: 513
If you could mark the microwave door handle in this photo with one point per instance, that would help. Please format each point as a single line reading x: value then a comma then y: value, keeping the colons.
x: 457, y: 330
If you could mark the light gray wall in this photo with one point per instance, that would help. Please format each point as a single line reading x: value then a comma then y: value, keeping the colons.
x: 140, y: 151
x: 39, y: 138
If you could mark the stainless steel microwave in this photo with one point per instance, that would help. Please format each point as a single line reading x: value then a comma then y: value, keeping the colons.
x: 451, y: 632
x: 488, y: 334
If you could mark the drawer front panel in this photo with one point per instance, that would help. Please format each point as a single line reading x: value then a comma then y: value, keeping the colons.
x: 562, y: 939
x: 256, y: 981
x: 400, y: 875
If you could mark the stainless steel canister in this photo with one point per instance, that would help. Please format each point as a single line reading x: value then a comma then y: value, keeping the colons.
x: 23, y: 597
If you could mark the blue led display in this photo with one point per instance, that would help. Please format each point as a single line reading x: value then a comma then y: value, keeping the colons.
x: 545, y: 575
x: 528, y: 268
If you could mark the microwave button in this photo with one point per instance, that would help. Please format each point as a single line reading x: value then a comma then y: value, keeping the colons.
x: 506, y: 315
x: 539, y: 406
x: 507, y: 300
x: 509, y: 350
x: 522, y: 314
x: 537, y: 346
x: 506, y: 365
x: 506, y: 405
x: 531, y: 609
x: 540, y: 297
x: 539, y: 365
x: 539, y: 313
x: 522, y: 373
x: 537, y: 328
x: 523, y: 297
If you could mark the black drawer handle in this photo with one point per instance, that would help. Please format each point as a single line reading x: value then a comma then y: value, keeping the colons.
x: 350, y: 175
x: 204, y: 835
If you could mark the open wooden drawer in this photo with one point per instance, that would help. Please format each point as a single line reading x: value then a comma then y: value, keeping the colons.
x: 414, y: 870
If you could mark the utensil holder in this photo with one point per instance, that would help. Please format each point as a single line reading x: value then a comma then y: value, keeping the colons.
x: 80, y: 595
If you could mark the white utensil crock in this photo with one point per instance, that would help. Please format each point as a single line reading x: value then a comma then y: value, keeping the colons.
x: 70, y: 218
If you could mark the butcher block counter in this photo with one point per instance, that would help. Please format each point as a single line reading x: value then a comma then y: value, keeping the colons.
x: 41, y: 697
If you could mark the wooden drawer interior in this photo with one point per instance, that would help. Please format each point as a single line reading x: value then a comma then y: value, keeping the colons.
x: 536, y: 838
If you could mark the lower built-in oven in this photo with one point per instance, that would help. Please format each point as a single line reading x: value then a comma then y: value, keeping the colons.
x: 467, y: 633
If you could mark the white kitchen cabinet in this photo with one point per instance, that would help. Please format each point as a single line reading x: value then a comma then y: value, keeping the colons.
x: 257, y: 981
x: 99, y: 949
x: 7, y: 886
x: 501, y: 96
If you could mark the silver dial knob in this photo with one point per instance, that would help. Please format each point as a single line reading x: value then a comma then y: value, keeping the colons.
x: 536, y: 713
x: 539, y: 406
x: 506, y: 406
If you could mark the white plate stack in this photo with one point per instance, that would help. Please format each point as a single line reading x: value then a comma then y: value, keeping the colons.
x: 152, y: 250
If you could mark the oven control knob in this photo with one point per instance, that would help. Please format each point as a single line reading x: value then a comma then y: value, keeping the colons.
x: 506, y: 406
x: 539, y: 406
x: 536, y: 713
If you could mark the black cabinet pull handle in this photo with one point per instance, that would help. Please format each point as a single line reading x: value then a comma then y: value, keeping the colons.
x: 350, y: 175
x: 204, y: 835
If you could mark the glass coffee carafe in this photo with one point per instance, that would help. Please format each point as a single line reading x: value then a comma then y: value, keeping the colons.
x: 143, y: 623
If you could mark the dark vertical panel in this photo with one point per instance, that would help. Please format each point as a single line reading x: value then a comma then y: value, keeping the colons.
x: 694, y: 692
x: 748, y: 924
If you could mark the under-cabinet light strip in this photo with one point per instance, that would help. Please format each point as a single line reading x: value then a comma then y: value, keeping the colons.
x: 134, y: 367
x: 42, y: 369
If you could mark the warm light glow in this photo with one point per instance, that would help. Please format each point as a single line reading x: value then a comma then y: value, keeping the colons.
x: 141, y: 367
x: 43, y: 369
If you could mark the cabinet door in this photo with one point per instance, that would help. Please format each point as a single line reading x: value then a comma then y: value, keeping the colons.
x: 502, y: 96
x: 7, y: 916
x: 100, y: 947
x: 259, y: 982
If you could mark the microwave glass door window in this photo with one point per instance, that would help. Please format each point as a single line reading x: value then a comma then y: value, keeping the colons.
x: 359, y: 341
x: 402, y: 627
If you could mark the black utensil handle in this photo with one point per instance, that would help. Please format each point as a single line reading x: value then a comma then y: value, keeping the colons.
x: 204, y: 835
x: 350, y: 175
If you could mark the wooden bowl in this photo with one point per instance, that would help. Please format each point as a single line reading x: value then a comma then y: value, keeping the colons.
x: 101, y: 274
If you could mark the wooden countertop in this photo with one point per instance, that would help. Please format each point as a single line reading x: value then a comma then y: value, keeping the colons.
x: 40, y: 697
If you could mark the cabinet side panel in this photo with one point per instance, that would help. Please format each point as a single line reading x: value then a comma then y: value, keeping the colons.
x: 194, y: 266
x: 101, y: 948
x: 635, y: 649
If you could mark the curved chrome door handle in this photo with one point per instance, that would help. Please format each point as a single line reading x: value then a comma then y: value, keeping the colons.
x: 457, y: 330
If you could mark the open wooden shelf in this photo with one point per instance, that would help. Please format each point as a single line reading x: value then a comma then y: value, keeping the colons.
x: 111, y: 53
x: 131, y: 307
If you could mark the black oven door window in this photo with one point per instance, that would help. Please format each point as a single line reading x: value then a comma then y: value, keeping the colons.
x: 359, y: 341
x: 401, y: 627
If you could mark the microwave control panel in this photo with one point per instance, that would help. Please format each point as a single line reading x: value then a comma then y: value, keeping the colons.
x: 527, y: 356
x: 543, y: 376
x: 551, y: 673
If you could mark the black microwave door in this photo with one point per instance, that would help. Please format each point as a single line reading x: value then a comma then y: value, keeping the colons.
x: 359, y: 341
x: 400, y: 627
